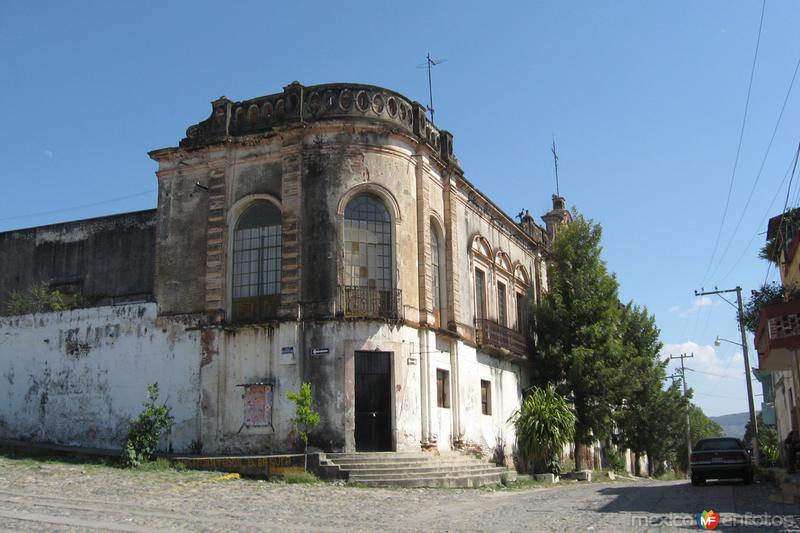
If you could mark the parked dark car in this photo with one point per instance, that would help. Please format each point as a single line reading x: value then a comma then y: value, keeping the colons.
x: 720, y: 458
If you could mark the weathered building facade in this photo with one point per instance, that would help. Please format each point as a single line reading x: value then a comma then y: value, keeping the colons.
x: 323, y: 234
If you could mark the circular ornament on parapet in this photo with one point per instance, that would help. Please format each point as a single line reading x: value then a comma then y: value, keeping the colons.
x: 362, y: 101
x: 330, y: 100
x: 378, y: 103
x: 391, y: 106
x: 403, y: 113
x: 267, y: 110
x: 314, y: 103
x: 346, y: 100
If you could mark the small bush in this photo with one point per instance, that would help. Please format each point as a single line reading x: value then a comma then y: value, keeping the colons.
x: 37, y: 298
x: 614, y: 460
x: 142, y: 439
x: 299, y: 477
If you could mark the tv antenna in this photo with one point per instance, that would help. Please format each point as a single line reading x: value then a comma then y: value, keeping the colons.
x: 555, y: 163
x: 429, y: 64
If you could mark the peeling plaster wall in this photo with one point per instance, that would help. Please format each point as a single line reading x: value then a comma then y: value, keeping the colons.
x: 283, y: 356
x: 77, y: 377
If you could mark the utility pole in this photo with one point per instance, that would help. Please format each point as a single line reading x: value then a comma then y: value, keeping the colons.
x: 688, y: 427
x: 740, y: 316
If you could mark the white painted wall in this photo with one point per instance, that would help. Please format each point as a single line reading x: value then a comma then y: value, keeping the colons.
x: 77, y: 377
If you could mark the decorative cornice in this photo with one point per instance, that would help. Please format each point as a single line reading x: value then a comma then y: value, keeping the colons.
x: 298, y: 106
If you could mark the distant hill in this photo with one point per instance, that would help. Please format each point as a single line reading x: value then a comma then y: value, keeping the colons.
x: 733, y: 425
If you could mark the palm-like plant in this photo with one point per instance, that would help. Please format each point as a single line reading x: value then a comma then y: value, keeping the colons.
x: 544, y: 423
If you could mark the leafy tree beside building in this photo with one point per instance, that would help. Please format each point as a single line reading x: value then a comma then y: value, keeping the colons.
x: 576, y: 322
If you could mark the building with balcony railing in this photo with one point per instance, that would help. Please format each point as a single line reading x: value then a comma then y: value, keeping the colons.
x: 777, y: 337
x: 323, y: 234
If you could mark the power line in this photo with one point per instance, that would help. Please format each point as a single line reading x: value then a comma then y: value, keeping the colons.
x: 718, y: 375
x: 75, y: 208
x: 760, y: 169
x: 761, y: 224
x: 785, y: 204
x: 739, y: 147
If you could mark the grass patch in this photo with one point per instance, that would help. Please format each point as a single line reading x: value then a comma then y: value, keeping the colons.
x: 161, y: 464
x: 671, y: 476
x: 36, y: 456
x: 298, y: 477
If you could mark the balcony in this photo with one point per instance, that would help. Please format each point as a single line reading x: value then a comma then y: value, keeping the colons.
x: 500, y: 340
x: 778, y: 336
x: 367, y: 302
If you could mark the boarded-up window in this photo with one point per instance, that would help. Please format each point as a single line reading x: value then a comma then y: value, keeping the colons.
x: 258, y: 404
x: 486, y: 397
x: 442, y: 388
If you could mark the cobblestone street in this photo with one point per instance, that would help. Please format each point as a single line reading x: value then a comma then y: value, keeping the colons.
x: 36, y: 496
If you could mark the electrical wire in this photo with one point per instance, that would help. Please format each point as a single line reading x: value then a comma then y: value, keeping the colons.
x: 739, y: 147
x: 77, y: 207
x: 760, y: 170
x: 763, y: 221
x: 785, y: 204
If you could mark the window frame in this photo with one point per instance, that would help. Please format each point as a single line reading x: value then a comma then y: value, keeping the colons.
x: 387, y: 280
x: 442, y: 388
x: 486, y: 397
x: 234, y: 215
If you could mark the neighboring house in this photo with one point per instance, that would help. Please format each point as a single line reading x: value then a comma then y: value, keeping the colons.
x: 323, y: 234
x: 778, y: 336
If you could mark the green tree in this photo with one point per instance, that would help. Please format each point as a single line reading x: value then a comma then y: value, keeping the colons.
x: 146, y: 429
x: 767, y: 441
x: 38, y: 298
x: 544, y: 423
x: 576, y: 323
x: 305, y: 417
x: 650, y: 416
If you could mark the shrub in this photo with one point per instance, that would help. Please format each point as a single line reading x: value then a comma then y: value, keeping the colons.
x: 614, y: 460
x: 299, y: 477
x: 545, y: 422
x: 38, y: 298
x: 146, y: 429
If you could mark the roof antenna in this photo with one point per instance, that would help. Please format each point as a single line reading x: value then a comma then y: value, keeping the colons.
x: 555, y: 163
x: 429, y: 63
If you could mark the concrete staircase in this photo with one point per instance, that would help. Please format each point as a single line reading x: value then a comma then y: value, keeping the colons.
x: 415, y: 469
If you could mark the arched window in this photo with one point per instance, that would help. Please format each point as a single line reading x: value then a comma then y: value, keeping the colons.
x: 367, y: 244
x: 256, y: 280
x: 437, y: 275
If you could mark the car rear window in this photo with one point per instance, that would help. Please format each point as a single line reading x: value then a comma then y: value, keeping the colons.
x: 718, y: 444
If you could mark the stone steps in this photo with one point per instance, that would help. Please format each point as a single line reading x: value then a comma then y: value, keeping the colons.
x: 417, y: 469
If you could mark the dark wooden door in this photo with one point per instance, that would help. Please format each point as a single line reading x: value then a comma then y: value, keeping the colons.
x: 373, y: 402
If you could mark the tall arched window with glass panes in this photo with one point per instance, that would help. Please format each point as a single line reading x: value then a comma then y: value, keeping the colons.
x: 256, y: 272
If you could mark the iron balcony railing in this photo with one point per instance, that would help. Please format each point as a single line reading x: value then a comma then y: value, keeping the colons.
x: 367, y: 302
x: 490, y: 334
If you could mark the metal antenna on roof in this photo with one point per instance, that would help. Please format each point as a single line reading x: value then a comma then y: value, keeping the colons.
x: 555, y: 163
x: 429, y: 64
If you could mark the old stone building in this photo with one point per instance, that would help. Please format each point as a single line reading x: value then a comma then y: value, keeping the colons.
x: 323, y: 234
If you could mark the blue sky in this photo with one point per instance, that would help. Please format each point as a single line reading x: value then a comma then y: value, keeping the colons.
x: 645, y: 100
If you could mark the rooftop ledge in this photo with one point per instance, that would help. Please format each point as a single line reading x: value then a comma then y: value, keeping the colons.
x: 299, y: 105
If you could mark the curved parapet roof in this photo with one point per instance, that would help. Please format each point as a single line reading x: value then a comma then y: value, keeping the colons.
x: 298, y: 104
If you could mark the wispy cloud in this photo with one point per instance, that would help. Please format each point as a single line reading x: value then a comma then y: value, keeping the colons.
x: 706, y: 362
x: 697, y: 304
